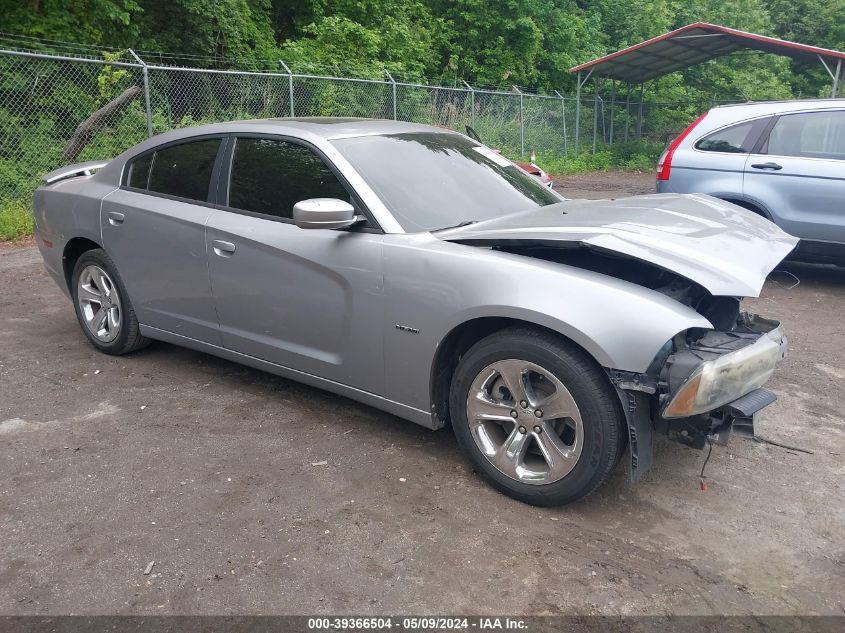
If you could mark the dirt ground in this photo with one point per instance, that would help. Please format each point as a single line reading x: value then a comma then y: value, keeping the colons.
x: 608, y: 184
x: 212, y: 471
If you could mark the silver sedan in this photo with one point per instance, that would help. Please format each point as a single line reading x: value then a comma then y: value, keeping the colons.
x: 418, y: 271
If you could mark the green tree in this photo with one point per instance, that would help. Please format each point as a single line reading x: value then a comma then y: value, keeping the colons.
x: 366, y: 36
x: 84, y: 21
x: 221, y: 28
x: 817, y: 22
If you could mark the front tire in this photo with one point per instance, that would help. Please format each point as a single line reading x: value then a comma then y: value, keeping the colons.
x: 537, y: 417
x: 102, y: 305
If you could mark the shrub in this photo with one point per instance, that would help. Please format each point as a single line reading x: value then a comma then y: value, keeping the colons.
x: 15, y: 219
x: 634, y: 156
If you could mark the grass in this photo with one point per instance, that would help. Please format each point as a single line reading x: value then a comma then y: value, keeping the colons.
x: 636, y: 156
x: 16, y: 219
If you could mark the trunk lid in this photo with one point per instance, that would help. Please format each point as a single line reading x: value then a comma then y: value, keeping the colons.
x: 724, y: 248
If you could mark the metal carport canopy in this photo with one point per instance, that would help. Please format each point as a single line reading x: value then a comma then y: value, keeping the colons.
x: 697, y: 43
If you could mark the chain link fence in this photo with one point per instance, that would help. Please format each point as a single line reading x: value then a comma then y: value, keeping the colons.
x: 56, y: 110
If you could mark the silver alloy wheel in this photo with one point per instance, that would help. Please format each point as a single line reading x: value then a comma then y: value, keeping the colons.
x: 525, y: 421
x: 99, y: 303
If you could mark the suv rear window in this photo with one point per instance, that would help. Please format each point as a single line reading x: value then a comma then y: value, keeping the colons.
x: 736, y: 139
x: 182, y: 170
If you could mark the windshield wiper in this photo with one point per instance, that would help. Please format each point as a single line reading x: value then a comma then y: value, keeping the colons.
x: 455, y: 226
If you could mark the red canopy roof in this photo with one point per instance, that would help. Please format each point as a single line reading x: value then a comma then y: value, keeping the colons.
x: 694, y: 44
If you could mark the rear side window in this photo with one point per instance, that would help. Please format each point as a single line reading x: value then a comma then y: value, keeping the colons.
x: 270, y: 176
x: 183, y: 170
x: 809, y: 135
x: 736, y: 139
x: 139, y: 172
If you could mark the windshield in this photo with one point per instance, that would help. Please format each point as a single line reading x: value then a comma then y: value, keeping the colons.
x: 435, y: 180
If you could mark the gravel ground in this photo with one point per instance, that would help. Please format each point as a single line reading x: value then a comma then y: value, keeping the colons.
x: 213, y: 471
x: 608, y: 184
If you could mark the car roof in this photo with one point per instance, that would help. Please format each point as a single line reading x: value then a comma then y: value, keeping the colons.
x: 312, y: 129
x: 789, y: 103
x: 324, y: 127
x: 723, y: 115
x: 778, y: 107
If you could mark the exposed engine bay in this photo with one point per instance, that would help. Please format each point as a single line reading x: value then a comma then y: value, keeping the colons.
x: 722, y: 312
x: 683, y: 360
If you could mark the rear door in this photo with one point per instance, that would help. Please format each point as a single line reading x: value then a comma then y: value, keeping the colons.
x: 799, y: 174
x: 310, y: 300
x: 714, y: 163
x: 154, y: 230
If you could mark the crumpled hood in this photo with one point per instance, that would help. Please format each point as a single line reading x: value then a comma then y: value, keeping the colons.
x: 718, y: 245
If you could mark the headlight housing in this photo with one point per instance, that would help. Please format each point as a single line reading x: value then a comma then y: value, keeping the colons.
x: 722, y: 380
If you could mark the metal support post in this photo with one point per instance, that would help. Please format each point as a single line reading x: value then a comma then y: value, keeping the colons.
x: 627, y: 108
x: 640, y: 116
x: 393, y: 83
x: 578, y: 85
x: 471, y: 103
x: 578, y: 114
x: 521, y: 122
x: 290, y: 84
x: 147, y: 106
x: 563, y: 120
x: 834, y: 87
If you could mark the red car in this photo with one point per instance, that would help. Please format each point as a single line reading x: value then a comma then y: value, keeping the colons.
x: 530, y: 168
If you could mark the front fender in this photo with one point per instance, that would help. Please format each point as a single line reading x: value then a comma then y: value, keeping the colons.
x: 616, y: 332
x: 434, y: 287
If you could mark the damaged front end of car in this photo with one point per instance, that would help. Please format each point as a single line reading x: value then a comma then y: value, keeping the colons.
x: 705, y: 254
x: 704, y: 386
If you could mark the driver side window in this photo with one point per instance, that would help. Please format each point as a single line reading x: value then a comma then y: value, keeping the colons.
x: 269, y: 176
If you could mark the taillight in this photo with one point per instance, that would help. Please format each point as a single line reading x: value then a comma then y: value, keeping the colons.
x: 664, y: 165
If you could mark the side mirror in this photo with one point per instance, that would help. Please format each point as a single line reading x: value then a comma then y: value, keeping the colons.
x: 324, y: 213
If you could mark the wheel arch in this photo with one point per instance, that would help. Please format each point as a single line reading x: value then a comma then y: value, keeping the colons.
x: 750, y: 205
x: 73, y: 250
x: 460, y: 339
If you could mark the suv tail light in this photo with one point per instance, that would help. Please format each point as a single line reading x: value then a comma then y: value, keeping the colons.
x: 664, y: 163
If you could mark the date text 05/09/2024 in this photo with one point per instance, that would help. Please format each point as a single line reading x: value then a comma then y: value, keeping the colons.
x: 429, y: 623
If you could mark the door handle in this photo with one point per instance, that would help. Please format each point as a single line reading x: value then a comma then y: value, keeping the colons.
x: 772, y: 166
x: 116, y: 218
x: 224, y: 249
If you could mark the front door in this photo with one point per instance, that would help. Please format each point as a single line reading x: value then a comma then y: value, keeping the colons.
x: 154, y: 230
x: 310, y: 300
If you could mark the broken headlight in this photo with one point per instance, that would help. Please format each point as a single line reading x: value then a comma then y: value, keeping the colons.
x: 722, y: 380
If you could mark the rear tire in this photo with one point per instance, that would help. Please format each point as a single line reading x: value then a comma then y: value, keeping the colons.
x: 102, y: 305
x: 537, y: 417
